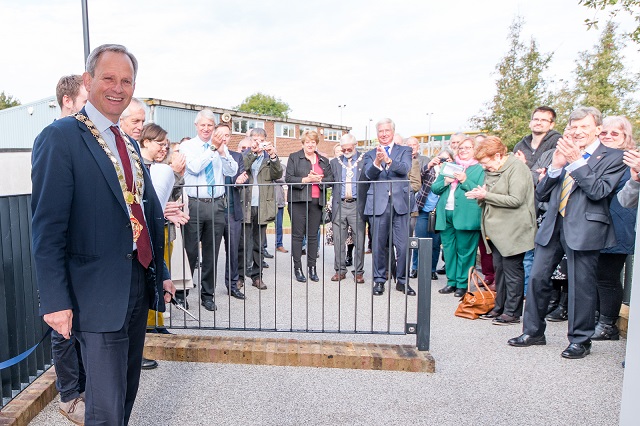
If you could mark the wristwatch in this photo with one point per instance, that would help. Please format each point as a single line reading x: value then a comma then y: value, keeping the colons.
x: 213, y: 147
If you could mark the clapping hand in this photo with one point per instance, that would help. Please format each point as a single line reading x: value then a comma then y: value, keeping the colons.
x: 477, y: 193
x: 632, y: 159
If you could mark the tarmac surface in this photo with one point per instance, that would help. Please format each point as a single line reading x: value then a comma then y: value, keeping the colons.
x: 479, y: 379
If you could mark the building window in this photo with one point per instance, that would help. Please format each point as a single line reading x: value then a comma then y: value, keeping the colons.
x: 332, y: 135
x: 309, y: 128
x: 243, y: 126
x: 284, y: 130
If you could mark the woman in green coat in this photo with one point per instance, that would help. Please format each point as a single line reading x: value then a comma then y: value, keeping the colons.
x: 458, y: 218
x: 508, y: 224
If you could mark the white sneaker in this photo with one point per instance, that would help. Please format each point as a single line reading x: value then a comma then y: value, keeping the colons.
x: 73, y: 410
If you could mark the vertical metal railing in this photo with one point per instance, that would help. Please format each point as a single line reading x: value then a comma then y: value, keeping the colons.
x: 322, y: 307
x: 21, y: 327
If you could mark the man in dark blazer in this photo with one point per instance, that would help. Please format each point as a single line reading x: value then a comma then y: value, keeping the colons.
x: 578, y: 186
x: 387, y: 204
x: 99, y: 267
x: 344, y: 208
x: 233, y: 214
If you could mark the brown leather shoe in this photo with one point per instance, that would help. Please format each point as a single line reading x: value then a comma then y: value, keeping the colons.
x: 360, y: 278
x: 282, y: 249
x: 338, y: 277
x: 259, y: 284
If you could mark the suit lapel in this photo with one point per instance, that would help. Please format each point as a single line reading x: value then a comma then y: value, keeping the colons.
x: 597, y: 155
x: 105, y: 165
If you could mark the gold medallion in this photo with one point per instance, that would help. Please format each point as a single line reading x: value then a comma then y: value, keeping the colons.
x: 349, y: 174
x: 129, y: 198
x: 136, y: 228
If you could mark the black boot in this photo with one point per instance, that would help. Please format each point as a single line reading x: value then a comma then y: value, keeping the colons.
x: 348, y: 261
x: 560, y: 312
x: 313, y: 275
x: 606, y: 329
x: 299, y: 275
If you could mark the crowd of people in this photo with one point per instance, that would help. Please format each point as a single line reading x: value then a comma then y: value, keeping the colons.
x: 552, y: 222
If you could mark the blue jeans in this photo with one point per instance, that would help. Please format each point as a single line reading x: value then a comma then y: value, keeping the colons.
x: 279, y: 227
x: 527, y: 262
x: 421, y: 232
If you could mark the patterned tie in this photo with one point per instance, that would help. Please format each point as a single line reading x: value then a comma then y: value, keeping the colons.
x: 208, y: 172
x: 567, y: 185
x: 348, y: 192
x: 144, y: 242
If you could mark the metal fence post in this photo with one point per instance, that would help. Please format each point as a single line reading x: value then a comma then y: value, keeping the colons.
x: 423, y: 324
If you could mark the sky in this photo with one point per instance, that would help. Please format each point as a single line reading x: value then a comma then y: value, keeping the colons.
x: 427, y: 65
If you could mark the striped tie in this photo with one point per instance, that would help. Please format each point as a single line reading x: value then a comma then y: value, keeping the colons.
x: 567, y: 184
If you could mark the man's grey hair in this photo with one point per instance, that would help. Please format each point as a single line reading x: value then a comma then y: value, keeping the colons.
x: 348, y: 138
x: 257, y: 131
x: 135, y: 103
x: 92, y: 60
x: 463, y: 135
x: 206, y: 114
x: 583, y: 112
x: 386, y: 121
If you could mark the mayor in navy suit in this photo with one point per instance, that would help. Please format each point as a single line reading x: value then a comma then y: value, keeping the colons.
x: 387, y: 204
x: 94, y: 280
x: 578, y: 186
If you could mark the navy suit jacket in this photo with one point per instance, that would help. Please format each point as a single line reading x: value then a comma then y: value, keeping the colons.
x: 378, y: 193
x: 82, y: 238
x: 587, y: 221
x: 235, y: 190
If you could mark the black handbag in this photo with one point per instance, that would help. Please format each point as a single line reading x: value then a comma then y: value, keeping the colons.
x: 431, y: 222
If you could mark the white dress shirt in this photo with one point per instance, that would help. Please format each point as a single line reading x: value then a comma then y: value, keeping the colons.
x: 198, y: 157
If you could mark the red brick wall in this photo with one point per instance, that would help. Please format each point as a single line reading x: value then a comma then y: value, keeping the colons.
x: 286, y: 146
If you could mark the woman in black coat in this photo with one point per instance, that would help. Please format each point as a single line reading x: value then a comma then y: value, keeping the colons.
x: 307, y: 171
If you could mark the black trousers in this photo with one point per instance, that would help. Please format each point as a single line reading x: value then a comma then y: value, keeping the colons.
x: 206, y: 226
x: 610, y: 291
x: 305, y: 218
x: 113, y: 361
x: 509, y: 280
x: 232, y: 236
x: 70, y: 381
x: 250, y: 251
x: 582, y: 277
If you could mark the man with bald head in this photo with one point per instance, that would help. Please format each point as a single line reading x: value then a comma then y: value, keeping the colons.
x: 133, y: 118
x: 347, y: 195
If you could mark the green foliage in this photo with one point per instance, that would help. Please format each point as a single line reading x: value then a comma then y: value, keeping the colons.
x: 631, y: 7
x: 259, y: 103
x: 520, y: 89
x: 7, y: 101
x: 601, y: 78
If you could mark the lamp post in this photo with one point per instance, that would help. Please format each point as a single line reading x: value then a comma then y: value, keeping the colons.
x: 429, y: 114
x: 369, y: 127
x: 342, y: 107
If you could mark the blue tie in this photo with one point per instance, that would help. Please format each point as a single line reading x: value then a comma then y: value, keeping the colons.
x: 386, y: 148
x: 208, y: 172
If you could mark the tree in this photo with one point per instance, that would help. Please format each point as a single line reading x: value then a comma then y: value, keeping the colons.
x: 7, y: 101
x: 520, y: 89
x: 631, y: 7
x: 259, y: 103
x: 602, y: 80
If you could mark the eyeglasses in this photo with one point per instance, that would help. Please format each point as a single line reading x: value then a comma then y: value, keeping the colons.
x: 613, y: 133
x: 162, y: 144
x: 541, y: 120
x: 464, y: 148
